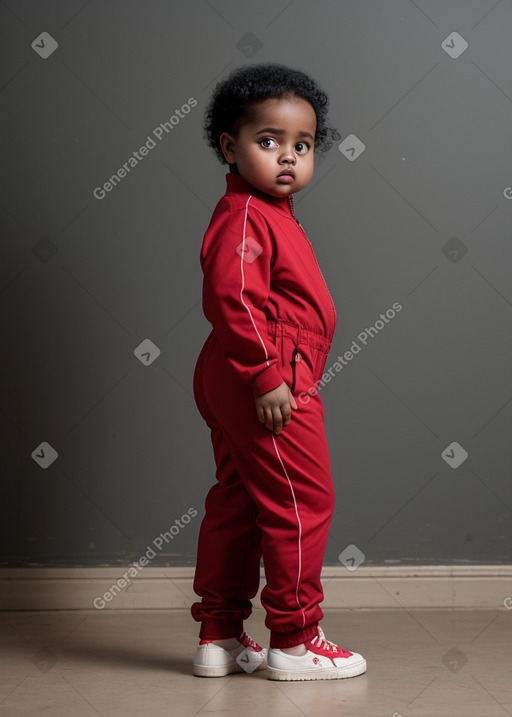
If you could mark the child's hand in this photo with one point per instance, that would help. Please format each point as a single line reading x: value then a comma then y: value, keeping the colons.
x: 274, y: 408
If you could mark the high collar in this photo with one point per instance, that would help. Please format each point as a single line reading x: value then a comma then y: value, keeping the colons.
x: 236, y: 184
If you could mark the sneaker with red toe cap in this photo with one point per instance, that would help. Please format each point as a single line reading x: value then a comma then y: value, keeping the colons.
x: 323, y: 661
x: 241, y: 654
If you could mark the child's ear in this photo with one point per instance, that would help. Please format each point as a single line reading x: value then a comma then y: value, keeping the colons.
x: 227, y: 144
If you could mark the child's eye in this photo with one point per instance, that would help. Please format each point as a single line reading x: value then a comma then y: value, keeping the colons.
x: 268, y: 139
x: 302, y: 147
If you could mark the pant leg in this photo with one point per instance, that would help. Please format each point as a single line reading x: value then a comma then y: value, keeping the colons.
x: 227, y: 572
x: 289, y: 480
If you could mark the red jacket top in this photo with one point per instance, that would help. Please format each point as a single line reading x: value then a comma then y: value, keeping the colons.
x: 259, y: 265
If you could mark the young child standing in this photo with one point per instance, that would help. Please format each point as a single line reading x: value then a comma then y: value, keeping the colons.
x: 273, y: 322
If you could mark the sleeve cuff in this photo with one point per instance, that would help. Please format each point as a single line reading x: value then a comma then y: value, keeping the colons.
x: 266, y: 381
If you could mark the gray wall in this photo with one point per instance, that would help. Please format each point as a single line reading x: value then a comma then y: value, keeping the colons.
x: 103, y: 448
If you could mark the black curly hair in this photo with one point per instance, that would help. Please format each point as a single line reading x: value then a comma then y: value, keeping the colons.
x: 249, y: 83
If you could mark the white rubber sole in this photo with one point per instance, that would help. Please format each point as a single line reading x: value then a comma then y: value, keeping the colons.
x: 330, y: 673
x: 210, y: 671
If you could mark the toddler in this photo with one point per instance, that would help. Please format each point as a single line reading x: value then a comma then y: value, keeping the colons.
x: 273, y: 322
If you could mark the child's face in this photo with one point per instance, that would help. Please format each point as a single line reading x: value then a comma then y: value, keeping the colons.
x: 278, y: 134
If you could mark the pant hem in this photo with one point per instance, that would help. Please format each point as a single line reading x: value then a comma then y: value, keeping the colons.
x: 291, y: 639
x: 220, y: 629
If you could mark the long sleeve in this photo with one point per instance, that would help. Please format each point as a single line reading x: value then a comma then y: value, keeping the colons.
x: 236, y: 258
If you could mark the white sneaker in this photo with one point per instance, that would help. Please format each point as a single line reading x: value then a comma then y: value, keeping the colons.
x: 215, y: 661
x: 323, y: 661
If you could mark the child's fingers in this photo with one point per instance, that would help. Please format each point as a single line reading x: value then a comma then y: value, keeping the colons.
x: 277, y: 420
x: 275, y: 414
x: 286, y: 413
x: 265, y: 415
x: 269, y: 419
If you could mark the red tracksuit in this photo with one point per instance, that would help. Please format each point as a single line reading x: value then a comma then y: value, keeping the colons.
x: 273, y: 320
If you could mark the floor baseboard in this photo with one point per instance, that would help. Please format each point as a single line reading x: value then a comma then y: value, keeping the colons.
x: 137, y: 587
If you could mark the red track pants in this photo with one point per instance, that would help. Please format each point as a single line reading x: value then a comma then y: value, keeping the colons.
x: 274, y: 496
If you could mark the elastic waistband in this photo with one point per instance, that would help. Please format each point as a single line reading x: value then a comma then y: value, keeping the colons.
x: 299, y: 334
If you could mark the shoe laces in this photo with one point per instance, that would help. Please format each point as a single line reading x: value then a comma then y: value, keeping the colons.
x: 323, y: 643
x: 247, y: 641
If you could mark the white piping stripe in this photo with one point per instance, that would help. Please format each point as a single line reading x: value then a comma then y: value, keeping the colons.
x: 273, y: 437
x: 300, y: 531
x: 242, y: 286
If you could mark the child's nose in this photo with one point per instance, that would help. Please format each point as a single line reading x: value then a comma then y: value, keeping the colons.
x: 288, y: 155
